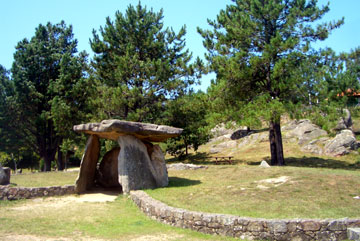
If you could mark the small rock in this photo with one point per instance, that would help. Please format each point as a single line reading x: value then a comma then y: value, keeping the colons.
x: 264, y: 164
x: 356, y: 197
x: 182, y: 166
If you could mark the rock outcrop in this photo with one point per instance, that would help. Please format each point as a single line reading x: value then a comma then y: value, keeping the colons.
x: 344, y: 122
x: 342, y: 144
x: 137, y: 164
x: 303, y: 130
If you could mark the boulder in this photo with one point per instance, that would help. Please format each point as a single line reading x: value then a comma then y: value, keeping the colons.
x: 304, y: 130
x: 134, y: 167
x: 108, y: 170
x: 341, y: 144
x: 5, y: 174
x: 344, y: 122
x: 113, y: 129
x: 86, y: 177
x: 221, y: 130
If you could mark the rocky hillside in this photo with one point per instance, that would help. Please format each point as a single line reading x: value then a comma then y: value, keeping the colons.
x: 309, y: 137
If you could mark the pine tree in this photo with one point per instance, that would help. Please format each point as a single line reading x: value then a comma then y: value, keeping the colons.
x: 140, y: 65
x: 254, y: 48
x: 49, y: 92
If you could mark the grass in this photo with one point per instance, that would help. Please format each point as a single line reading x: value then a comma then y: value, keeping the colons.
x: 44, y: 179
x: 120, y: 220
x: 319, y: 186
x: 310, y: 193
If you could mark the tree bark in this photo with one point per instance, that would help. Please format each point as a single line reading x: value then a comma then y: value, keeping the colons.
x: 276, y: 146
x: 48, y: 158
x: 60, y: 161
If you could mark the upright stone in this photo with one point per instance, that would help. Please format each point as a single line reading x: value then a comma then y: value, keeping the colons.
x: 88, y: 164
x: 134, y: 165
x: 158, y: 162
x: 4, y: 175
x: 108, y: 170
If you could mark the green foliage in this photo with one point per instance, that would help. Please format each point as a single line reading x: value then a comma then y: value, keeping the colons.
x: 255, y: 48
x: 187, y: 112
x: 140, y: 65
x: 48, y: 91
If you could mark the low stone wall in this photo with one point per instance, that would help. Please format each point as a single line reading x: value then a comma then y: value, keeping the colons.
x: 15, y: 193
x: 250, y: 228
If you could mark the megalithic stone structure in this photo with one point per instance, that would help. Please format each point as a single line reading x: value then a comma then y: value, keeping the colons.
x: 140, y: 164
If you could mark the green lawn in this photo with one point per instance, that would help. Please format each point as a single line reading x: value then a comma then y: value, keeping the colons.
x: 56, y: 218
x: 239, y: 190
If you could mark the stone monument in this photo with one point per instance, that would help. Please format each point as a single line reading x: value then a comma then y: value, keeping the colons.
x: 136, y: 164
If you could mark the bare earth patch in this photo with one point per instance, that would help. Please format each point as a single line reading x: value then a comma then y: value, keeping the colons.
x: 272, y: 181
x: 105, y: 196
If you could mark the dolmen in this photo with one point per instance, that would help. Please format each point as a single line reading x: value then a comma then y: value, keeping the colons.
x: 136, y: 164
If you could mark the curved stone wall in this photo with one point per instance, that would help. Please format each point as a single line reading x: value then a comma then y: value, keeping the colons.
x: 251, y: 228
x: 15, y: 193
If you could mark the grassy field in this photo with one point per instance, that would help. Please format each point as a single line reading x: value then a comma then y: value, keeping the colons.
x: 308, y: 186
x: 44, y: 179
x: 61, y: 219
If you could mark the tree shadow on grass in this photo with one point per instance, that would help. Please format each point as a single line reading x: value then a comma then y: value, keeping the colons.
x: 316, y: 162
x: 182, y: 182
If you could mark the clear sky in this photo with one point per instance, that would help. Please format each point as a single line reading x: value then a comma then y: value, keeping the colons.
x: 19, y: 18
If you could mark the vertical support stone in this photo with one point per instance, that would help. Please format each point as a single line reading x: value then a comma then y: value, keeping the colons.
x: 134, y: 165
x: 158, y: 162
x: 89, y: 160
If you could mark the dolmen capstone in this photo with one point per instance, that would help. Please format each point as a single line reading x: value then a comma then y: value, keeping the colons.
x: 136, y: 164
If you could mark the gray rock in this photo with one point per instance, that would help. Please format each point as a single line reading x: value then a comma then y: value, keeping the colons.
x: 108, y: 169
x: 353, y: 233
x: 312, y: 148
x: 86, y: 177
x: 264, y: 164
x: 221, y: 130
x: 158, y: 161
x: 341, y: 144
x: 112, y: 129
x: 344, y: 122
x: 5, y: 174
x: 182, y: 166
x: 134, y: 166
x: 227, y: 144
x: 305, y: 131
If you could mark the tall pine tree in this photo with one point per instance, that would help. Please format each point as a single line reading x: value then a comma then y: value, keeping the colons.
x: 50, y: 90
x: 254, y: 47
x: 140, y: 65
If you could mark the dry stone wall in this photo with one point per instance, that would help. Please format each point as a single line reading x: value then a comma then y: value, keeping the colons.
x: 15, y: 193
x: 239, y: 227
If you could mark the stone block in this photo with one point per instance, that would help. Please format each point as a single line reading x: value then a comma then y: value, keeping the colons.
x: 353, y: 233
x: 310, y: 225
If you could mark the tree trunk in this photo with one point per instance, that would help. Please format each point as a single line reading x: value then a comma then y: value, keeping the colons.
x: 48, y: 158
x: 276, y: 147
x: 60, y: 162
x: 186, y: 147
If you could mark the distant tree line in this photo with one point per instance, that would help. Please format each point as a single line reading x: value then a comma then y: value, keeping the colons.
x: 261, y: 52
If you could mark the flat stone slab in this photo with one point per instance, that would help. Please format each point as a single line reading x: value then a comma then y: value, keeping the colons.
x: 112, y: 129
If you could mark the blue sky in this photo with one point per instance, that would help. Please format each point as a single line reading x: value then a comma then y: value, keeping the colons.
x: 19, y: 18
